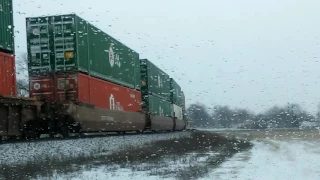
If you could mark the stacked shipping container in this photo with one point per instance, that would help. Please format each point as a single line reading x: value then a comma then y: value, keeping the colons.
x: 161, y: 95
x: 87, y: 89
x: 6, y: 27
x: 78, y: 46
x: 86, y: 65
x: 155, y: 89
x: 176, y: 99
x: 7, y: 58
x: 154, y: 81
x: 7, y: 75
x: 70, y: 58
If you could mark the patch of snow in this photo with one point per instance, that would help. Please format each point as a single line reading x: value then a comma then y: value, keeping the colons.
x: 273, y: 159
x: 168, y: 168
x: 102, y: 173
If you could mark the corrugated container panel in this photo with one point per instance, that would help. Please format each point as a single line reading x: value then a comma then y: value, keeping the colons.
x: 6, y: 27
x: 177, y: 111
x: 154, y: 81
x: 111, y: 96
x: 8, y: 86
x: 39, y: 42
x: 77, y: 45
x: 87, y: 89
x: 156, y: 106
x: 110, y: 59
x: 176, y: 93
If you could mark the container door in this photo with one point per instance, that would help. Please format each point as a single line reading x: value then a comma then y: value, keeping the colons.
x: 42, y: 87
x: 38, y: 38
x: 64, y: 43
x: 67, y: 87
x: 177, y: 111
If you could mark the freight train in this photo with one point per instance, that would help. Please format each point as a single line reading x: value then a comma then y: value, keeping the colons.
x: 29, y: 118
x: 82, y: 80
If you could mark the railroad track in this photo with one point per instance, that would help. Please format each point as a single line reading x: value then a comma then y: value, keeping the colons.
x: 83, y: 136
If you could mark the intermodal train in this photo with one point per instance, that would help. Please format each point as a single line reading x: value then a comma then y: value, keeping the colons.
x: 82, y: 80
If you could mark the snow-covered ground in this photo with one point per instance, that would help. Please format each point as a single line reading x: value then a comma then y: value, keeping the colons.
x: 273, y: 159
x: 168, y: 168
x: 101, y: 173
x: 276, y: 159
x: 19, y: 153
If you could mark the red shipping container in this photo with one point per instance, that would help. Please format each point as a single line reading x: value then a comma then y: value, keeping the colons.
x: 55, y: 87
x: 84, y: 88
x: 42, y: 86
x: 108, y: 95
x: 8, y: 85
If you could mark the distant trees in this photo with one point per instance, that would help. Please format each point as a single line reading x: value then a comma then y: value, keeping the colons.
x: 199, y: 113
x: 223, y: 116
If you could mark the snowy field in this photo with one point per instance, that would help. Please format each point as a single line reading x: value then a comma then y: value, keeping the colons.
x: 19, y: 153
x: 276, y: 160
x: 278, y: 154
x: 292, y: 155
x: 273, y: 159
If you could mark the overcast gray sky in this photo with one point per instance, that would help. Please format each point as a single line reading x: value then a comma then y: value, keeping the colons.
x: 248, y: 53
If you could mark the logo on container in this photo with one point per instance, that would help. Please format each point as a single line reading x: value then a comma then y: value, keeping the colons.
x: 114, y: 59
x: 36, y: 31
x: 36, y: 86
x: 114, y: 105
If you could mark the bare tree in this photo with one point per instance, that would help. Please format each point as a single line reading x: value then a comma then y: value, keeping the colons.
x: 22, y: 75
x: 199, y: 114
x: 22, y: 88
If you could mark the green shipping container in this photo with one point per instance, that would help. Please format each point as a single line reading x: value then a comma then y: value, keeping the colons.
x: 67, y: 43
x: 156, y: 106
x: 6, y: 26
x: 154, y: 81
x: 176, y: 93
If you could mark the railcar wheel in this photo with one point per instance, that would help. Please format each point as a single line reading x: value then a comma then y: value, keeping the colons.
x: 52, y: 134
x: 81, y: 135
x: 13, y: 137
x: 31, y: 132
x: 64, y: 131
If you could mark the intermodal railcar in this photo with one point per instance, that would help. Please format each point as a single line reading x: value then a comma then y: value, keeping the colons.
x: 29, y: 118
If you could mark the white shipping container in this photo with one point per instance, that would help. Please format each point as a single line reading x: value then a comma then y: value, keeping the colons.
x: 176, y: 111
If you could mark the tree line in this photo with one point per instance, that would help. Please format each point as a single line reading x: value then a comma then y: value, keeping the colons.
x: 289, y: 116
